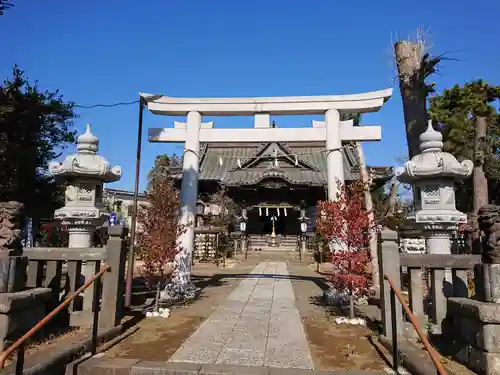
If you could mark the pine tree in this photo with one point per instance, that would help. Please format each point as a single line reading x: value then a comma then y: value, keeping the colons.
x: 163, y: 167
x: 458, y: 112
x: 469, y: 122
x: 35, y: 126
x: 4, y: 4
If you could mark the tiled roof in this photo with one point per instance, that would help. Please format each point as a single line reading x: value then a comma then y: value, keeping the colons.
x: 310, y: 168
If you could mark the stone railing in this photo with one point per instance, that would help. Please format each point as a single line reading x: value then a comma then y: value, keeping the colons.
x: 48, y: 266
x: 447, y: 276
x: 462, y: 317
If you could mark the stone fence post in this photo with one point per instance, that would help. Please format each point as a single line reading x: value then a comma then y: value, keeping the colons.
x: 388, y: 264
x: 114, y: 281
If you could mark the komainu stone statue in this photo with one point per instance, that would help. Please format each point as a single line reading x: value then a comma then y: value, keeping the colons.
x: 11, y: 225
x: 489, y: 223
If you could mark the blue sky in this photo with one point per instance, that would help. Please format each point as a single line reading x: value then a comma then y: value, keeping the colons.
x: 107, y: 51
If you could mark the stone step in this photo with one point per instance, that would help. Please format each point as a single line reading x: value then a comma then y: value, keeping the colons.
x: 261, y: 243
x: 103, y: 365
x: 265, y: 255
x: 281, y: 249
x: 283, y: 239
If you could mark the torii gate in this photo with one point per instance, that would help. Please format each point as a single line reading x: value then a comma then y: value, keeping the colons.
x: 193, y: 132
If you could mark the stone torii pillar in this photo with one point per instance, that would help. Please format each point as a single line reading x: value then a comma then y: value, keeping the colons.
x: 333, y: 133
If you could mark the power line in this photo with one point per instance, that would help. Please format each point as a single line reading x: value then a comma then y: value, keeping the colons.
x: 276, y: 155
x: 106, y: 105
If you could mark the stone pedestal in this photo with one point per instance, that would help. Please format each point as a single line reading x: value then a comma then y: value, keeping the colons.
x: 438, y: 241
x: 80, y: 236
x: 474, y: 327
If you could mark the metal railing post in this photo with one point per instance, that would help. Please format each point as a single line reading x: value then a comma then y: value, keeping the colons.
x: 20, y: 360
x: 96, y: 306
x: 395, y: 349
x: 432, y: 352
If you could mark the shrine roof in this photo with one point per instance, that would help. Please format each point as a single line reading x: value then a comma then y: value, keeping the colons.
x: 299, y: 163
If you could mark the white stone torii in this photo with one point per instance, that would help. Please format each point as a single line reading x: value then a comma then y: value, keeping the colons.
x: 193, y: 132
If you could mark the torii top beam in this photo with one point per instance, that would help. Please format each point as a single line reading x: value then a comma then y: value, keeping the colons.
x: 280, y: 105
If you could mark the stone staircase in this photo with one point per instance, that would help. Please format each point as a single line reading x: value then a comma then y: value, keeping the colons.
x: 261, y: 242
x: 277, y: 255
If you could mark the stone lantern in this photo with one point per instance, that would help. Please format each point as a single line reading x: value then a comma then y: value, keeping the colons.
x: 85, y: 174
x: 433, y: 173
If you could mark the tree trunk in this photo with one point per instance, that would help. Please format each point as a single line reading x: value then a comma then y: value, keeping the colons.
x: 392, y: 199
x: 409, y: 61
x: 479, y: 180
x: 352, y: 312
x: 367, y: 181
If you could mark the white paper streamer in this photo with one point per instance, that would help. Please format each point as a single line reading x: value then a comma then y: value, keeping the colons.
x: 278, y: 211
x: 267, y: 211
x: 296, y: 161
x: 260, y: 211
x: 220, y: 160
x: 284, y: 211
x: 239, y: 163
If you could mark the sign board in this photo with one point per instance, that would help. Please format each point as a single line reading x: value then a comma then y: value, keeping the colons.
x: 112, y: 218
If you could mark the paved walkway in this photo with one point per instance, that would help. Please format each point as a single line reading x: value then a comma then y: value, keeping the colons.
x: 258, y: 325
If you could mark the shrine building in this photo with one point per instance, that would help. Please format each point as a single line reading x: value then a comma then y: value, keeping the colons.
x: 275, y: 181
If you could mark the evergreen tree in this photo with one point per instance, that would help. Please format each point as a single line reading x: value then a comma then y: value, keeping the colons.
x: 460, y: 112
x: 35, y: 126
x: 4, y: 4
x: 163, y: 167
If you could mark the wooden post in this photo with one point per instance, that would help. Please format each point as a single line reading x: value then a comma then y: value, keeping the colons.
x: 113, y: 282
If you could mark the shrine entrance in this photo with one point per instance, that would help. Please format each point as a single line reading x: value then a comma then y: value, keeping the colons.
x: 332, y: 133
x: 262, y: 218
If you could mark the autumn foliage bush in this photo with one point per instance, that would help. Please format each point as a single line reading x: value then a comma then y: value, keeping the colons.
x: 159, y: 228
x: 345, y: 224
